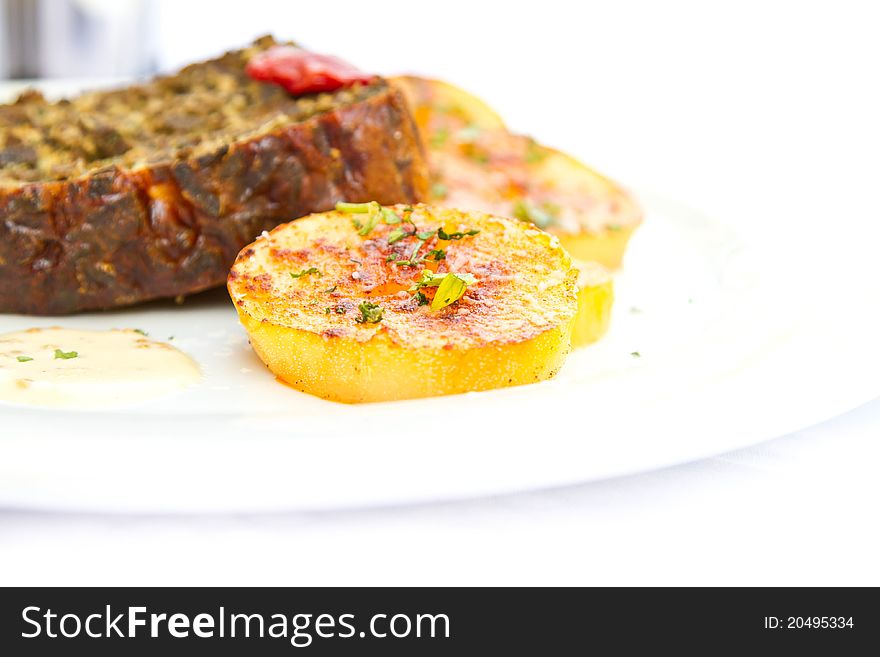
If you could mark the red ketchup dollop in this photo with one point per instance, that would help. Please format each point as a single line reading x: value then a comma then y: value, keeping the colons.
x: 303, y: 72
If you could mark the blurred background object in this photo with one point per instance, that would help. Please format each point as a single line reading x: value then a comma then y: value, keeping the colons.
x: 76, y: 38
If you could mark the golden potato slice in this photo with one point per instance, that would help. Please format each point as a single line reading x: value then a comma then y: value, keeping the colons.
x: 476, y: 164
x: 351, y: 308
x: 440, y: 106
x: 595, y: 299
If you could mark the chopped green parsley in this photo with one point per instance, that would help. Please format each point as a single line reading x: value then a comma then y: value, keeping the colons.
x: 396, y: 235
x: 371, y: 313
x: 439, y: 138
x: 439, y: 190
x: 372, y: 209
x: 541, y: 217
x: 450, y: 290
x: 450, y: 287
x: 369, y: 224
x: 431, y: 279
x: 356, y: 208
x: 390, y: 216
x: 443, y: 235
x: 306, y: 272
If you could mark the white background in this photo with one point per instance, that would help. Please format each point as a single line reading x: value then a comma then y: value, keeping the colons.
x: 764, y: 114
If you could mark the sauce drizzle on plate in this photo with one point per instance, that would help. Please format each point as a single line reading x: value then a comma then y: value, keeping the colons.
x: 77, y: 368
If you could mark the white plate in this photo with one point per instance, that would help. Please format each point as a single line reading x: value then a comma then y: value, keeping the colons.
x: 731, y: 353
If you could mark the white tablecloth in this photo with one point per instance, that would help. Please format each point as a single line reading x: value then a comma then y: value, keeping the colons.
x: 798, y: 510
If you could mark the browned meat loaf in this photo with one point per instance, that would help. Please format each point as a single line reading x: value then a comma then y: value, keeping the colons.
x: 148, y: 192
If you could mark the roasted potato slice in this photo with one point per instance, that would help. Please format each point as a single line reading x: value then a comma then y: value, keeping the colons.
x: 477, y: 164
x: 595, y: 299
x: 374, y: 304
x: 438, y: 106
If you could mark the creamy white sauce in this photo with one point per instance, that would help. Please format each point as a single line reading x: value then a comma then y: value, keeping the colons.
x: 74, y: 368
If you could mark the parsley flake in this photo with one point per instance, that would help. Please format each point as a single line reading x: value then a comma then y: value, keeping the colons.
x: 396, y: 235
x: 450, y: 290
x: 526, y: 211
x: 355, y: 208
x: 307, y: 272
x: 431, y: 279
x: 372, y: 209
x: 413, y: 257
x: 390, y: 216
x: 65, y: 355
x: 369, y: 225
x: 23, y: 359
x: 371, y: 313
x: 440, y: 136
x: 407, y: 217
x: 443, y: 235
x: 450, y: 287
